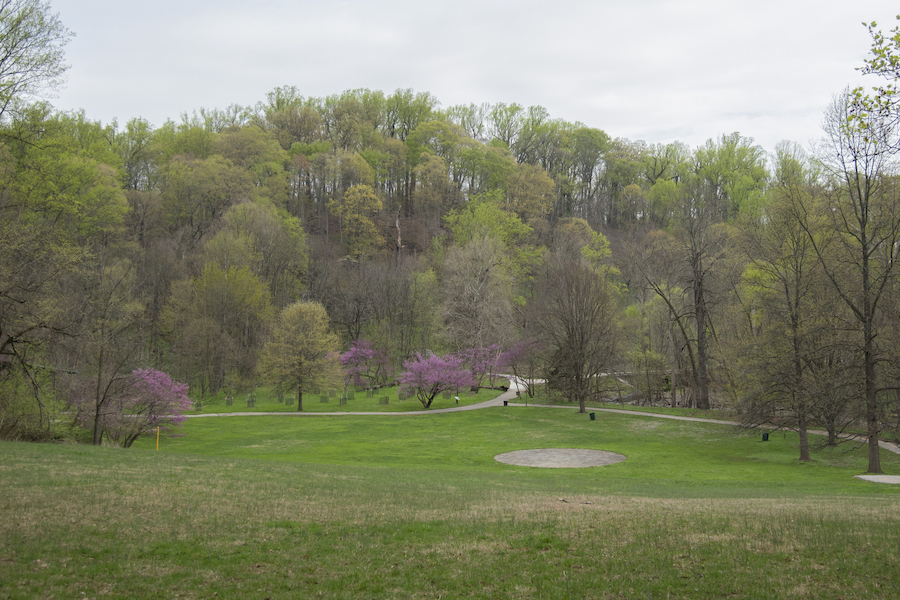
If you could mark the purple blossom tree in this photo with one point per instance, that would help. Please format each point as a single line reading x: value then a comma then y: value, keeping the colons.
x: 431, y: 375
x: 364, y: 365
x: 482, y: 363
x: 141, y: 402
x: 522, y: 359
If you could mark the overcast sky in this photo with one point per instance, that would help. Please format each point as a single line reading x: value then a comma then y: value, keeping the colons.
x: 652, y: 70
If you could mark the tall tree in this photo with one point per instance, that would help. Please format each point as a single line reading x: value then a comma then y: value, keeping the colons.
x: 657, y: 262
x: 786, y: 304
x: 356, y: 208
x: 699, y: 240
x: 31, y: 51
x: 858, y: 240
x: 279, y: 254
x: 477, y: 289
x: 196, y: 193
x: 575, y: 313
x: 110, y: 339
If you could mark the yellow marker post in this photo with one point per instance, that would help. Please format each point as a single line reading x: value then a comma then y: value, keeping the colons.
x: 157, y: 438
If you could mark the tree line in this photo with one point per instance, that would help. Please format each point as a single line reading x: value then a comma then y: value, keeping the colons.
x: 721, y: 275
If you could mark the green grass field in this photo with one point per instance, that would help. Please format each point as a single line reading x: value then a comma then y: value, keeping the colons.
x: 266, y: 401
x: 401, y: 506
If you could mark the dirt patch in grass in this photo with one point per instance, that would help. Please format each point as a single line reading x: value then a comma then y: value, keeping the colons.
x: 560, y: 458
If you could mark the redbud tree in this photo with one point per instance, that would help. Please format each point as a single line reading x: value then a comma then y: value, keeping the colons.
x: 365, y: 365
x: 428, y: 376
x: 141, y: 402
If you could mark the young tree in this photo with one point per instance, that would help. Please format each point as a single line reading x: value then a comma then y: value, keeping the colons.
x: 431, y: 375
x: 302, y: 352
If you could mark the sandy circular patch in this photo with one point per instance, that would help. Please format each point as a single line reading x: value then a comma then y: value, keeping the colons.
x: 895, y: 479
x: 559, y: 458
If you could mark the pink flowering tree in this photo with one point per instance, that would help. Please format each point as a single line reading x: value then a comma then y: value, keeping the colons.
x: 482, y: 363
x: 428, y: 376
x: 365, y: 366
x: 523, y: 360
x: 139, y: 403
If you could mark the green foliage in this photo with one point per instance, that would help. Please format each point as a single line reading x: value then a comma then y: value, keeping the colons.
x: 254, y: 150
x: 196, y: 192
x: 57, y: 176
x: 193, y: 141
x: 269, y: 241
x: 734, y: 171
x: 356, y: 208
x: 301, y: 352
x: 662, y: 197
x: 31, y: 52
x: 598, y: 250
x: 884, y: 62
x: 484, y: 218
x: 530, y: 193
x: 439, y: 138
x: 215, y: 323
x: 234, y: 191
x: 487, y: 168
x: 30, y: 410
x: 311, y: 149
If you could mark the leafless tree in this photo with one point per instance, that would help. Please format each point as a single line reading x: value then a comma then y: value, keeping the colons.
x: 574, y: 312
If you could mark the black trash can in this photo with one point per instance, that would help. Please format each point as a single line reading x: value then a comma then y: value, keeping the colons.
x: 506, y: 403
x: 592, y: 417
x: 765, y: 437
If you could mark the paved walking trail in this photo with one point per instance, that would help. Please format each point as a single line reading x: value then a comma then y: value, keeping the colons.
x: 551, y: 457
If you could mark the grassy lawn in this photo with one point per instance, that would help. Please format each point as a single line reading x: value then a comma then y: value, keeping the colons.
x: 416, y: 507
x: 360, y: 401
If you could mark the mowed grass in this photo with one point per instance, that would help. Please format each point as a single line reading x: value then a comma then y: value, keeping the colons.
x: 266, y: 400
x: 416, y: 507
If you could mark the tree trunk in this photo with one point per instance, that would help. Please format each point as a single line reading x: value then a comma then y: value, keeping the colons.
x: 702, y: 358
x: 804, y: 438
x: 98, y: 396
x: 871, y: 403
